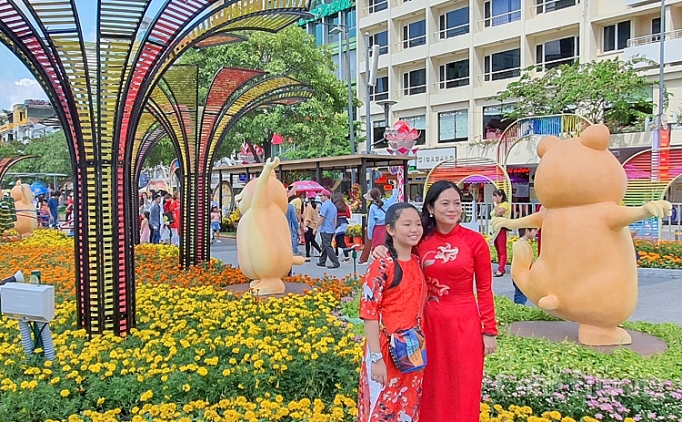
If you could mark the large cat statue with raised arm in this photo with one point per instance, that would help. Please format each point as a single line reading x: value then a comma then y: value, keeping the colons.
x: 587, y: 268
x: 264, y: 250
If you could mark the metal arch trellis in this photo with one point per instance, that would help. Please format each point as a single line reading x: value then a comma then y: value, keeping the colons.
x: 458, y: 170
x: 650, y: 174
x: 561, y: 125
x: 219, y: 16
x: 8, y: 161
x: 97, y: 87
x: 193, y: 133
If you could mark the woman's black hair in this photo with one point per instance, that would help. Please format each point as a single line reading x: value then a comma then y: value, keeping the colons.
x: 376, y: 196
x: 392, y: 215
x: 428, y: 221
x: 501, y: 193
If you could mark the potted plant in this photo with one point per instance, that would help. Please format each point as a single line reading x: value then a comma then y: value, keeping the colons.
x: 355, y: 231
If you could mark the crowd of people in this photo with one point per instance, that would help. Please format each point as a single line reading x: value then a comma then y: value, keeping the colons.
x: 160, y: 218
x: 324, y: 214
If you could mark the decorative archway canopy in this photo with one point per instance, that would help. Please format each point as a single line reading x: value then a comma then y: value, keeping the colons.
x: 9, y: 161
x: 561, y: 125
x: 460, y: 170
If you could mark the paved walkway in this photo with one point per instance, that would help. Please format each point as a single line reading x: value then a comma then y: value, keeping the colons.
x: 660, y: 292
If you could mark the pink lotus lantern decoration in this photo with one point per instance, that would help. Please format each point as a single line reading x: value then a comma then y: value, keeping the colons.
x: 401, y: 140
x: 246, y: 155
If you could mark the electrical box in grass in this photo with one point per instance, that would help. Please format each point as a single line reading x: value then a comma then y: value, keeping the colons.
x: 29, y: 302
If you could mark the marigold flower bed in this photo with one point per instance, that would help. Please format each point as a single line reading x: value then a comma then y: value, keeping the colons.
x: 200, y: 353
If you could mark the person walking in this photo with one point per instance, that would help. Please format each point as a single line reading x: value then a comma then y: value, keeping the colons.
x: 215, y: 223
x: 53, y: 205
x: 501, y: 208
x: 310, y: 217
x: 294, y: 227
x: 376, y: 226
x: 326, y: 225
x: 155, y: 219
x: 342, y: 216
x: 145, y: 232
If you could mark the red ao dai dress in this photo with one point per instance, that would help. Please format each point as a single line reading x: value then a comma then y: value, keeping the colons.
x: 398, y: 401
x: 454, y: 324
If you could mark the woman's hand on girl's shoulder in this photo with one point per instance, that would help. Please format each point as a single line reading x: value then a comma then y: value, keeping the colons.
x: 380, y: 252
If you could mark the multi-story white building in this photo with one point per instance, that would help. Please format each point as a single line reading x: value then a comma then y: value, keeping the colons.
x: 443, y: 60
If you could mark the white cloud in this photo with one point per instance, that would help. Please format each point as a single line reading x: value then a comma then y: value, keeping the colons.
x: 15, y: 92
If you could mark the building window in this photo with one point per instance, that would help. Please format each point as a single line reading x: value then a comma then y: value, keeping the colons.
x: 380, y: 90
x: 616, y: 36
x: 414, y: 82
x: 546, y: 6
x: 377, y: 5
x: 454, y: 74
x: 454, y: 23
x: 380, y: 39
x: 556, y: 53
x: 351, y: 18
x: 500, y: 12
x: 419, y: 123
x: 656, y: 29
x: 453, y: 126
x: 414, y: 34
x: 503, y: 65
x: 494, y: 122
x: 378, y: 129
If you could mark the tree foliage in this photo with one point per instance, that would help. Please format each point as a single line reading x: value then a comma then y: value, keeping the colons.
x: 317, y: 127
x: 52, y: 151
x: 606, y: 91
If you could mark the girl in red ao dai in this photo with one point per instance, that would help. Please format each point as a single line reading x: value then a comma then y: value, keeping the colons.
x: 394, y: 292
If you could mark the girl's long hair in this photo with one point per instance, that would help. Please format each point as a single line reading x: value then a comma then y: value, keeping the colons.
x: 428, y: 221
x: 392, y: 215
x: 500, y: 193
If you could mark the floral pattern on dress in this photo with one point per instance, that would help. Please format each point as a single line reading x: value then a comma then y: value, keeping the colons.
x: 399, y: 399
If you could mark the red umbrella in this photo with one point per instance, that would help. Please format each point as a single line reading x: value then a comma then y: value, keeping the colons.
x: 306, y: 186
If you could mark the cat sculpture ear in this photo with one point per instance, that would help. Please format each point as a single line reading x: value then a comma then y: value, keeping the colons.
x: 596, y: 137
x: 546, y: 143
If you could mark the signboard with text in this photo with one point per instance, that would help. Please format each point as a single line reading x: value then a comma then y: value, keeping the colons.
x: 430, y: 158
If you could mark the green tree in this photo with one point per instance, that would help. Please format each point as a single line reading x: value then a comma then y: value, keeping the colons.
x: 318, y: 127
x: 53, y: 155
x: 161, y: 153
x: 606, y: 91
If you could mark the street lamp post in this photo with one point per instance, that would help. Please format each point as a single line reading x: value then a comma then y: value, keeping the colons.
x: 661, y: 64
x: 368, y: 112
x: 342, y: 30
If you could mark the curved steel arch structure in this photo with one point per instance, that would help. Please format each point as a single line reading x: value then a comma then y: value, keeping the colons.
x: 561, y: 125
x: 99, y: 89
x: 459, y: 170
x: 9, y: 161
x: 233, y: 93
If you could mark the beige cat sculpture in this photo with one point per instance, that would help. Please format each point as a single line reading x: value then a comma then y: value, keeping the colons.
x: 27, y: 219
x: 587, y: 269
x: 264, y: 250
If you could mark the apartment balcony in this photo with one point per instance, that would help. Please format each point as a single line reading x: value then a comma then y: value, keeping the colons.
x: 549, y: 17
x: 450, y: 40
x: 498, y: 28
x: 401, y: 8
x: 649, y: 47
x: 635, y: 3
x: 447, y: 92
x: 409, y: 51
x: 373, y: 15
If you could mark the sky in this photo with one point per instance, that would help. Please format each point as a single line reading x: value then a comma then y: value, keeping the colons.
x: 17, y: 83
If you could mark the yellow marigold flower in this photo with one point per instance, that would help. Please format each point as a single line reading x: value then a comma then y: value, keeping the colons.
x: 147, y: 395
x: 100, y: 401
x: 186, y: 387
x: 64, y: 393
x: 202, y: 371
